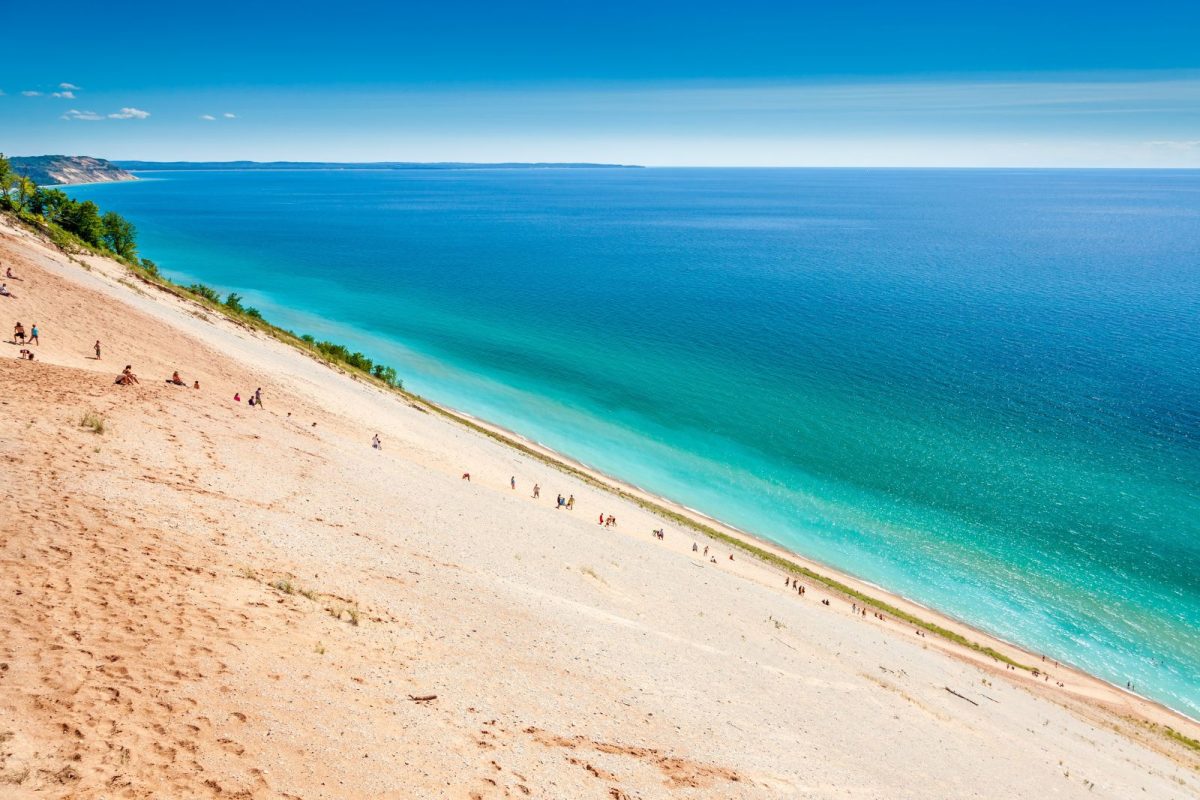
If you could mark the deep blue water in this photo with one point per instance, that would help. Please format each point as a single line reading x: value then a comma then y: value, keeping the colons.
x: 980, y: 389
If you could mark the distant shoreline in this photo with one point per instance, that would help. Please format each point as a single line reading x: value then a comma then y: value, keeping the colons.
x: 267, y: 166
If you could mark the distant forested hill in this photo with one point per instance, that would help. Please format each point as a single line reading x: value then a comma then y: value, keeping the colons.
x: 47, y: 170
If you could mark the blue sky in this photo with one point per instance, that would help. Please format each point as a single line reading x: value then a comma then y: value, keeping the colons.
x: 751, y: 82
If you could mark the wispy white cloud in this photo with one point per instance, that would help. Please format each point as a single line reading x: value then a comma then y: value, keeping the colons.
x: 129, y: 113
x: 1177, y: 144
x: 227, y: 115
x: 66, y: 94
x: 124, y: 113
x: 31, y: 93
x: 85, y: 115
x: 70, y: 87
x: 207, y: 117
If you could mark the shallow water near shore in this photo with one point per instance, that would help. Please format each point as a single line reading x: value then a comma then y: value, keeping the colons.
x: 979, y: 389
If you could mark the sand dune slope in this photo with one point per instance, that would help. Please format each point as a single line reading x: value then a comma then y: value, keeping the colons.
x: 209, y: 600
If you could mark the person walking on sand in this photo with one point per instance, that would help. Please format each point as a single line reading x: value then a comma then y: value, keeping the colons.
x: 537, y: 491
x: 376, y: 442
x: 602, y: 518
x: 96, y: 347
x: 258, y: 397
x: 33, y: 335
x: 512, y: 483
x: 571, y: 503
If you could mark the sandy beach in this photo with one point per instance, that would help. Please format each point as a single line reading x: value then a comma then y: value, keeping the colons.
x: 208, y: 599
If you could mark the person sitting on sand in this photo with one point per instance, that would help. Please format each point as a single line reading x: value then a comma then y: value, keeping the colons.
x: 19, y: 333
x: 4, y: 292
x: 237, y: 397
x: 8, y: 273
x: 127, y: 378
x: 175, y: 379
x: 196, y: 385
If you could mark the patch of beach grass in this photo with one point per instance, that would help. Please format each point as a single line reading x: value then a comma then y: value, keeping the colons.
x: 283, y: 585
x: 591, y: 573
x: 92, y: 421
x: 340, y: 610
x: 1186, y: 741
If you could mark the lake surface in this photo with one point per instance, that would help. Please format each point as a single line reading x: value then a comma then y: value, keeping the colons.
x: 979, y: 389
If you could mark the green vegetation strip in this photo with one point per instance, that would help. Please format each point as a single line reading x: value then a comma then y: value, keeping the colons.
x: 1186, y: 741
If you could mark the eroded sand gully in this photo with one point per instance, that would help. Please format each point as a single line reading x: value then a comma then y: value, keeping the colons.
x: 212, y: 600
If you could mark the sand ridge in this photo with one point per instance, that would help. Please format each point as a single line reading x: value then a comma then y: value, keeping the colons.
x: 210, y: 600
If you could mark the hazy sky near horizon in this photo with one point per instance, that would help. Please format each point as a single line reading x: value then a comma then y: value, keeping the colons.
x: 674, y: 83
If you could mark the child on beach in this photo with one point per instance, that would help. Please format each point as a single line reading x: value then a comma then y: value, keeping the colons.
x: 377, y: 443
x: 96, y: 347
x: 127, y: 378
x: 33, y: 335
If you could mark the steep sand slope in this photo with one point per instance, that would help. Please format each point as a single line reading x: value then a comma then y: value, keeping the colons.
x: 212, y: 600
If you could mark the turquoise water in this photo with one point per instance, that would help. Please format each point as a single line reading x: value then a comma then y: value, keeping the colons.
x: 980, y: 389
